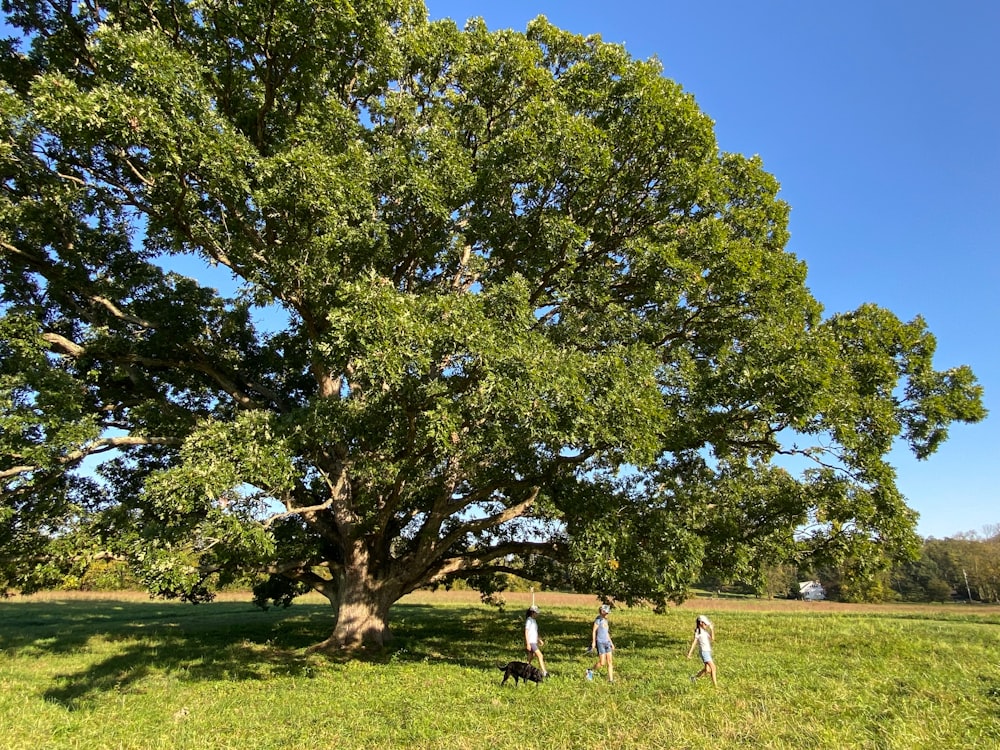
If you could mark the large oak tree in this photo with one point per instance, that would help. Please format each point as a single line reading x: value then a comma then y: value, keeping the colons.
x: 496, y: 303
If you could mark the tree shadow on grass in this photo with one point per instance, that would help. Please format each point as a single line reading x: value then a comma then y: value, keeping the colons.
x: 217, y: 641
x: 133, y: 642
x: 237, y: 642
x: 179, y: 658
x: 482, y: 638
x: 66, y: 627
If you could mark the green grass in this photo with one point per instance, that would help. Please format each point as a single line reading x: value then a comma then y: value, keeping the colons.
x: 138, y: 674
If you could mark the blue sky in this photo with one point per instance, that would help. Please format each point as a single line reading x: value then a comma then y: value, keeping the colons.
x: 881, y: 120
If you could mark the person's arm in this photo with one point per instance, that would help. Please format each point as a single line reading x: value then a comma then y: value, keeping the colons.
x: 593, y: 636
x: 693, y: 643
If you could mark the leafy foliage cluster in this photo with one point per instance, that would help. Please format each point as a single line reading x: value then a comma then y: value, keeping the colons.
x: 500, y: 306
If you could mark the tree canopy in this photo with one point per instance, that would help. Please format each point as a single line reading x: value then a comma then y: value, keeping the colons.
x: 497, y: 303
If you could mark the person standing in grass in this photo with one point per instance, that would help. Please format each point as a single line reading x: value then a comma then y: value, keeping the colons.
x: 532, y: 643
x: 704, y: 637
x: 600, y: 639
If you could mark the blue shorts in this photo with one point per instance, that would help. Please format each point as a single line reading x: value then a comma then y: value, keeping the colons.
x: 603, y: 648
x: 706, y: 654
x: 532, y: 647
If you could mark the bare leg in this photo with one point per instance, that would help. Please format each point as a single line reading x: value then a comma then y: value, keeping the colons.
x: 541, y: 661
x: 601, y: 661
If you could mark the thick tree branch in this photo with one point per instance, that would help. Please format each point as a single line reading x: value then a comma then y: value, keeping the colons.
x: 433, y: 548
x: 335, y: 501
x: 240, y: 392
x: 478, y: 561
x: 95, y: 447
x: 64, y: 345
x: 52, y: 272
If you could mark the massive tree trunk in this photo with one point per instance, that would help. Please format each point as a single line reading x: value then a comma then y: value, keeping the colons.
x: 362, y: 608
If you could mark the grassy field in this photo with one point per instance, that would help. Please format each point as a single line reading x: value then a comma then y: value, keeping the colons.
x: 131, y: 673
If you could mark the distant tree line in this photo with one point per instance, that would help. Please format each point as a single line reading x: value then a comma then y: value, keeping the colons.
x: 965, y: 567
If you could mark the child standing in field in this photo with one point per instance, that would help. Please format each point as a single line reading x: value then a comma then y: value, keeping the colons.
x: 704, y: 637
x: 600, y: 639
x: 532, y: 643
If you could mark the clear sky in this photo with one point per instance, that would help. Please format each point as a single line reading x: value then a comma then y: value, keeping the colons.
x: 881, y: 121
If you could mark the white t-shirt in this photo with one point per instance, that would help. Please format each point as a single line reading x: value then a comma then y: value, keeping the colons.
x: 531, y: 631
x: 704, y: 640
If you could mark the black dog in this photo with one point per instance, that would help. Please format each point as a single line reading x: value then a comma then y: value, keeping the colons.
x: 521, y: 670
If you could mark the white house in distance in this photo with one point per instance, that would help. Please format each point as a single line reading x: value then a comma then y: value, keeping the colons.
x: 811, y: 591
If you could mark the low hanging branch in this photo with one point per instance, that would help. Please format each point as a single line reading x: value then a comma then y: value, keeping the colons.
x: 93, y: 448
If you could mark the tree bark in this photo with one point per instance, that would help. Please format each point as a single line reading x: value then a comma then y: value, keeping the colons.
x: 362, y: 610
